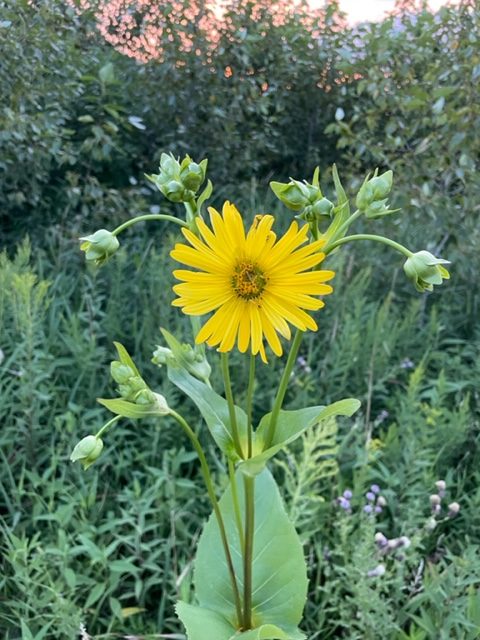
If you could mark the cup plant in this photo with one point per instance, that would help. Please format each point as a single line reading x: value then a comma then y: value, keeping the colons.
x: 246, y: 290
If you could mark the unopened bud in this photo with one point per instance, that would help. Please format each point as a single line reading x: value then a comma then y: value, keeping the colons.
x: 381, y: 540
x: 381, y: 501
x: 87, y: 451
x: 323, y: 207
x: 99, y: 246
x: 192, y: 175
x: 294, y: 195
x: 424, y: 270
x: 121, y: 373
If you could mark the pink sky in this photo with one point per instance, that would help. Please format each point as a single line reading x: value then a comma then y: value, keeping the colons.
x: 360, y: 10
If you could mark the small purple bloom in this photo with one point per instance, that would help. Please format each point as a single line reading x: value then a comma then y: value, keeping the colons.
x: 375, y: 488
x: 378, y: 509
x: 344, y: 503
x: 383, y: 415
x: 377, y: 572
x: 347, y: 494
x: 368, y: 508
x: 406, y: 363
x: 370, y: 496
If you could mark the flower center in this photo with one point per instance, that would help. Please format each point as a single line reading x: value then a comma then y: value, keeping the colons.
x: 248, y: 280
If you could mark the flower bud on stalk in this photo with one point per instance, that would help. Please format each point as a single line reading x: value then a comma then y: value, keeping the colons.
x: 424, y: 270
x: 99, y: 246
x: 87, y: 451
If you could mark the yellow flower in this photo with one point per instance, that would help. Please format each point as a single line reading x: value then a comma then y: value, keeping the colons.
x: 255, y: 284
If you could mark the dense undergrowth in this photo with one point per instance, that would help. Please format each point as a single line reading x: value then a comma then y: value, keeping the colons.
x: 111, y: 549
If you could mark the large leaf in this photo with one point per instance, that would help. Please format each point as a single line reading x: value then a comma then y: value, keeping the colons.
x: 213, y: 408
x: 279, y: 571
x: 290, y: 425
x: 203, y: 624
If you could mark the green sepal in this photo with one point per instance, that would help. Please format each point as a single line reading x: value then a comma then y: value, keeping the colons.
x: 205, y: 195
x: 341, y: 211
x: 121, y: 407
x: 290, y: 425
x: 316, y: 178
x: 214, y: 409
x: 125, y: 358
x: 279, y: 571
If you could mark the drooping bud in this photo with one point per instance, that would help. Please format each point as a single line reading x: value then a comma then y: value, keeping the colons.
x: 87, y: 451
x: 99, y: 246
x: 424, y: 270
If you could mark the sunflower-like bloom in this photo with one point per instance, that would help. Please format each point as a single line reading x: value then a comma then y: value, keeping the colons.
x: 255, y: 284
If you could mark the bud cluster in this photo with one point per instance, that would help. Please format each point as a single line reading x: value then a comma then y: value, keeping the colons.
x: 179, y: 181
x: 183, y: 355
x: 372, y: 196
x: 305, y: 198
x: 131, y: 386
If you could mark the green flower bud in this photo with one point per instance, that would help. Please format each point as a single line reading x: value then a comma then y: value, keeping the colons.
x: 424, y: 270
x: 121, y: 373
x: 192, y: 175
x: 323, y: 207
x: 169, y: 167
x: 378, y: 209
x: 293, y: 195
x: 365, y: 196
x: 87, y: 451
x: 173, y: 191
x: 99, y: 246
x: 161, y: 355
x: 382, y: 185
x: 144, y: 397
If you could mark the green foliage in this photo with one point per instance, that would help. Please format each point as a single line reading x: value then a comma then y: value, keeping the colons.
x: 279, y: 579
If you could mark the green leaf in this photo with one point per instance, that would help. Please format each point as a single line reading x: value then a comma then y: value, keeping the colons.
x: 269, y: 632
x: 290, y: 425
x: 213, y: 408
x: 203, y: 624
x: 279, y: 571
x: 121, y: 407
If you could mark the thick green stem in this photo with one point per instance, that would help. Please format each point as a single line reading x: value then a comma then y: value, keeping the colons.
x: 368, y: 236
x: 216, y: 508
x: 231, y: 405
x: 282, y: 388
x: 250, y: 388
x: 236, y: 505
x: 150, y: 216
x: 342, y: 228
x: 249, y: 486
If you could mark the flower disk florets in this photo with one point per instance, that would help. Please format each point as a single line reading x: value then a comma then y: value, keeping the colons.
x: 248, y: 281
x: 255, y: 284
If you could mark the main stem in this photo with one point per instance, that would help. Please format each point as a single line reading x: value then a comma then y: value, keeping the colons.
x: 216, y: 508
x: 250, y: 388
x: 231, y: 404
x: 282, y: 388
x: 249, y: 486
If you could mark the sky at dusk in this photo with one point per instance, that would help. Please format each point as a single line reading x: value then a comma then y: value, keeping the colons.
x: 361, y: 10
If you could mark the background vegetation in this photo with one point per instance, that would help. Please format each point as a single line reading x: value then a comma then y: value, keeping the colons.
x: 111, y: 549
